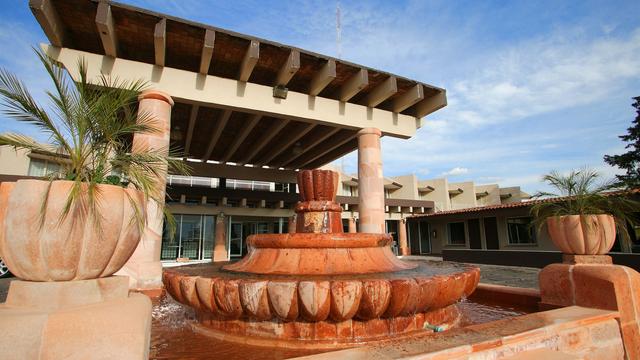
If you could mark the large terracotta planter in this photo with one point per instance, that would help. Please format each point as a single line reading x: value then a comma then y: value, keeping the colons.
x: 582, y: 234
x: 71, y: 249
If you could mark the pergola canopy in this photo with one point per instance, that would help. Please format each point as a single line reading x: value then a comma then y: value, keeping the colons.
x: 222, y: 84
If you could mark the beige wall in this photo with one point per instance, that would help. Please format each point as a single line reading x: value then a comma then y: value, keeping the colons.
x: 409, y: 189
x: 467, y: 199
x: 492, y: 199
x: 516, y: 194
x: 440, y: 194
x: 13, y: 162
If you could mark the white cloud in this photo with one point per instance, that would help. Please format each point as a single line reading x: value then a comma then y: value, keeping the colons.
x: 456, y: 171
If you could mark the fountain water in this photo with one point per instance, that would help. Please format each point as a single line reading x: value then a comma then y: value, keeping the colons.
x: 320, y: 287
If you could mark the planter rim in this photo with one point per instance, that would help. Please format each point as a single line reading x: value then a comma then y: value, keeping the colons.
x: 580, y: 215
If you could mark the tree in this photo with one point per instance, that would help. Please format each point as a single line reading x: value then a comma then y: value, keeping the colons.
x: 629, y: 161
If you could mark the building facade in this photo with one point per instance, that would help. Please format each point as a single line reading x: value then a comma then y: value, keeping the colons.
x: 244, y: 207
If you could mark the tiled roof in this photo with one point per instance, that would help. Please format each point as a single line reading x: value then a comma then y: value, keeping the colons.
x: 516, y: 204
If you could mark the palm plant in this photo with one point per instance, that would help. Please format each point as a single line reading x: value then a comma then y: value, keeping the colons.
x: 583, y: 193
x: 90, y: 126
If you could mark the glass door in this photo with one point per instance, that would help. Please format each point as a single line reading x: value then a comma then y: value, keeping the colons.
x: 190, y: 234
x: 208, y: 237
x: 235, y: 239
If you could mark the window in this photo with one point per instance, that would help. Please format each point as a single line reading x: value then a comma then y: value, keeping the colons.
x: 520, y: 231
x: 456, y: 233
x: 41, y: 167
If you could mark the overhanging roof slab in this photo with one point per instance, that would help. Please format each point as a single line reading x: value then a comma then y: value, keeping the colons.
x: 193, y: 87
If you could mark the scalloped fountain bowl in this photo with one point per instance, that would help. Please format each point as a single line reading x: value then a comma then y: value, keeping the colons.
x: 319, y: 287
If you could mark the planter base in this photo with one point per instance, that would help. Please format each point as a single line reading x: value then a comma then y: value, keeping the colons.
x: 84, y: 319
x: 586, y: 282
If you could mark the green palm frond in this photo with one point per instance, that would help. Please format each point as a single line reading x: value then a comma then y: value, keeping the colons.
x: 90, y: 124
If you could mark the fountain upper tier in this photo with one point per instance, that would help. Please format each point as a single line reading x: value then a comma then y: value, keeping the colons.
x: 319, y: 247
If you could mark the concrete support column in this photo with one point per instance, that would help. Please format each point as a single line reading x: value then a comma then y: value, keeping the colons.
x: 352, y: 225
x: 220, y: 243
x: 402, y: 237
x: 291, y: 227
x: 144, y: 267
x: 370, y: 181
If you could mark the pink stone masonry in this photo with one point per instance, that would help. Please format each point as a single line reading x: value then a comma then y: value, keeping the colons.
x: 402, y: 237
x: 144, y: 267
x: 370, y: 182
x: 352, y: 225
x: 220, y: 249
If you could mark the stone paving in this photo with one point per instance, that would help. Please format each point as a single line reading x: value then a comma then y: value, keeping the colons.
x: 499, y: 275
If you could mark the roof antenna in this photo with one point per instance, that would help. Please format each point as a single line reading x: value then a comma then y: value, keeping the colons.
x: 338, y: 31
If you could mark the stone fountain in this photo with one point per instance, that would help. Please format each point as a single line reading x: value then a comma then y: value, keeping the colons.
x: 320, y: 287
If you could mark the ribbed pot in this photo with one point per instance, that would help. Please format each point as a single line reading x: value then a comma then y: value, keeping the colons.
x: 68, y: 249
x: 582, y: 234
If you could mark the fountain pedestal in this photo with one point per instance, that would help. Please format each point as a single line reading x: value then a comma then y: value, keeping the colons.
x: 75, y: 320
x: 594, y: 281
x: 319, y: 287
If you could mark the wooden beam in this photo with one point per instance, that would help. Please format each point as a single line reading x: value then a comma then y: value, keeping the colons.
x: 313, y: 144
x: 320, y: 80
x: 192, y: 123
x: 160, y: 41
x: 104, y: 22
x: 431, y: 104
x: 382, y: 92
x: 49, y: 20
x: 354, y: 85
x: 280, y: 149
x: 408, y: 99
x: 241, y: 137
x: 207, y: 51
x: 329, y: 149
x: 289, y: 68
x: 266, y: 137
x: 249, y: 61
x: 222, y: 122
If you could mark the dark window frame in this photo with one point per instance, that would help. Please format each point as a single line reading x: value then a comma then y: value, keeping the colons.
x: 532, y: 237
x: 450, y: 240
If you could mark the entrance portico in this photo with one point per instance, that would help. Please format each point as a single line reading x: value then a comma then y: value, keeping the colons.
x: 245, y: 108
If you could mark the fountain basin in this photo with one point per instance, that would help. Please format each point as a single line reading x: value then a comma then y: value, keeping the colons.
x: 314, y: 311
x: 319, y: 254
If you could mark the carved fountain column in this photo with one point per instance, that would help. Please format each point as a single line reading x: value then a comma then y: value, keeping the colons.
x: 370, y: 182
x: 144, y: 267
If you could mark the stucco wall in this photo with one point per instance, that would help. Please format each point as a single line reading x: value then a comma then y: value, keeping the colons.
x: 440, y: 194
x: 492, y: 199
x: 13, y: 162
x: 466, y: 199
x: 439, y: 224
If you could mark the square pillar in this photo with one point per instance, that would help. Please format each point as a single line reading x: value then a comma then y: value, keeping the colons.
x: 402, y: 237
x: 220, y: 243
x: 352, y: 225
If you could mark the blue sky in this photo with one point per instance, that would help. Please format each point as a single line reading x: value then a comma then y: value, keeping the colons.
x: 532, y: 85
